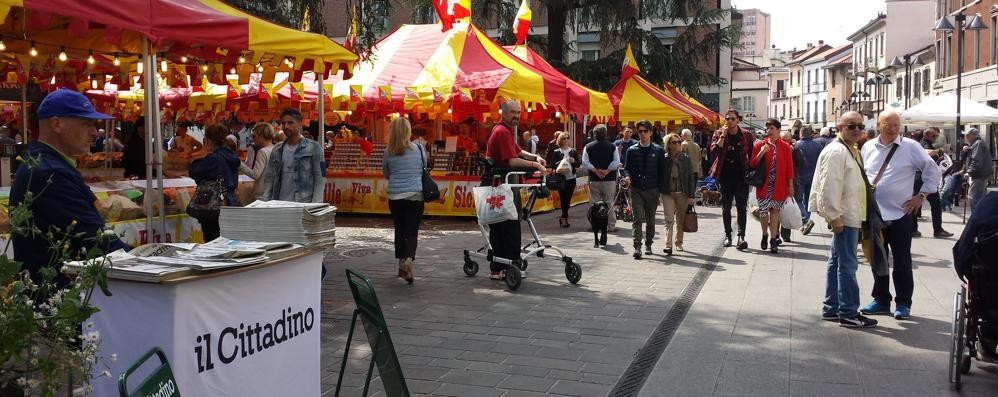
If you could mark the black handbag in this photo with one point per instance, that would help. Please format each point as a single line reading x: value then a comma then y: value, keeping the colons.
x: 209, y: 197
x: 756, y: 176
x: 431, y: 192
x: 207, y: 200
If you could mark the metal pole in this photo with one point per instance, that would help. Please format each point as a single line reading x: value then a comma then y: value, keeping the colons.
x: 146, y: 105
x: 25, y: 136
x: 959, y: 70
x: 322, y: 111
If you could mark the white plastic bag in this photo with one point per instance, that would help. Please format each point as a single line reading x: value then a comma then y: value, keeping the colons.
x: 494, y: 204
x: 790, y: 217
x: 564, y: 167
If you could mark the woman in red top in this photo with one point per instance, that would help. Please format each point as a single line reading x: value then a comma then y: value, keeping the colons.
x: 778, y: 167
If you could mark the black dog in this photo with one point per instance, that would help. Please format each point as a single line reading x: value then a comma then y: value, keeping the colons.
x: 598, y: 218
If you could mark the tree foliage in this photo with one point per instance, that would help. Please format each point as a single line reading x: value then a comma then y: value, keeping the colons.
x: 290, y: 13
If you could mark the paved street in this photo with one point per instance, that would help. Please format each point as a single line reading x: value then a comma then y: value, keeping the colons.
x: 752, y: 330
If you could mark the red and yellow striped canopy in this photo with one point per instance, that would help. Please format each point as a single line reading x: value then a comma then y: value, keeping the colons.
x: 205, y: 30
x: 637, y: 99
x: 426, y: 60
x: 581, y: 99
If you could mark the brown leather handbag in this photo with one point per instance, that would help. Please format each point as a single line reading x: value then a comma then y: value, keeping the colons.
x: 690, y: 224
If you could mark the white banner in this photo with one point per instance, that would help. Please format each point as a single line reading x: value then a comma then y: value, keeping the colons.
x: 249, y: 333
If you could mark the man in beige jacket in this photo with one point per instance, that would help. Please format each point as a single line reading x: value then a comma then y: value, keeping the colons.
x: 839, y: 196
x: 693, y: 150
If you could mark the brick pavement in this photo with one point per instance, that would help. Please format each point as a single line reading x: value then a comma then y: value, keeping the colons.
x: 755, y: 330
x: 470, y: 336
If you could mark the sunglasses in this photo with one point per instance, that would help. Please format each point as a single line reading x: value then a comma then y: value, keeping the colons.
x: 853, y: 126
x: 674, y: 142
x: 731, y: 118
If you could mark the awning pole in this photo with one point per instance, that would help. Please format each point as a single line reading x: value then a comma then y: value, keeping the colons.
x: 146, y: 105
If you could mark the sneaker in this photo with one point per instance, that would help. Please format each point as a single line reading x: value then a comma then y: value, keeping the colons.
x: 742, y: 244
x: 830, y: 316
x: 942, y: 234
x: 875, y: 307
x: 637, y: 253
x: 497, y: 275
x: 648, y: 250
x: 902, y: 312
x: 807, y: 227
x: 857, y: 321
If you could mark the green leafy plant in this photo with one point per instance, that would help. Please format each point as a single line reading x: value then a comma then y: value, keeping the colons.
x: 45, y: 338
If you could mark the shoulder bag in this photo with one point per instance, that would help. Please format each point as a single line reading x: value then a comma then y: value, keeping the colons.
x: 756, y: 176
x: 431, y: 192
x: 209, y: 197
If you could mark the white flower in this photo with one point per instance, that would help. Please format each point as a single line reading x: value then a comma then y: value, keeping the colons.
x: 34, y: 361
x: 93, y: 336
x: 106, y: 373
x: 22, y: 382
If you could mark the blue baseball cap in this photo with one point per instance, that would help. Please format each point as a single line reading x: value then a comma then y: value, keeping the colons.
x: 68, y: 103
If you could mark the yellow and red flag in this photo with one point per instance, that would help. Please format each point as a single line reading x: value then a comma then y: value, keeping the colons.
x: 356, y: 93
x: 522, y: 25
x: 465, y: 94
x: 451, y: 11
x: 385, y: 93
x: 630, y: 66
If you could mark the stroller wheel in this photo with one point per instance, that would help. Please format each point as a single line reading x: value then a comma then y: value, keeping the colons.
x: 513, y: 278
x: 573, y: 272
x: 470, y: 267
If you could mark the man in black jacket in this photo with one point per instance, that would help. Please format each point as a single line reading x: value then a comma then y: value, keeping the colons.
x: 644, y: 171
x: 601, y: 159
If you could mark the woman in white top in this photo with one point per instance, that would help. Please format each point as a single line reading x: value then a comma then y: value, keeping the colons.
x: 565, y: 150
x: 255, y: 165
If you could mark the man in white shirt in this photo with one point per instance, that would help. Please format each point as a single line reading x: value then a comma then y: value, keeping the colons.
x: 893, y: 185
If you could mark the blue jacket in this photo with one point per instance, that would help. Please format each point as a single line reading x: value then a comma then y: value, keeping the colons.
x: 404, y: 171
x: 645, y: 165
x: 309, y: 172
x: 222, y: 163
x: 811, y: 149
x: 54, y: 207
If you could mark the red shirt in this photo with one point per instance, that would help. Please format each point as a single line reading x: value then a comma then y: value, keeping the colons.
x: 501, y: 146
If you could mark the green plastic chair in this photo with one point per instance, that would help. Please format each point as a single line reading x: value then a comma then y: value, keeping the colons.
x: 159, y: 383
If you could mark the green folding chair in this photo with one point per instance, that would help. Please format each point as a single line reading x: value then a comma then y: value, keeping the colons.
x: 376, y: 329
x: 159, y: 383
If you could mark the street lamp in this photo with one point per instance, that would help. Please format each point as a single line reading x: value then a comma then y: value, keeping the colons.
x: 960, y: 24
x: 908, y: 63
x: 878, y: 80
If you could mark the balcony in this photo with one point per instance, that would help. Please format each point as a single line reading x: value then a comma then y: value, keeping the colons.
x: 779, y: 94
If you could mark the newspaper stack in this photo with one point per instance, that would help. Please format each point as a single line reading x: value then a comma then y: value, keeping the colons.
x: 312, y: 224
x: 127, y: 266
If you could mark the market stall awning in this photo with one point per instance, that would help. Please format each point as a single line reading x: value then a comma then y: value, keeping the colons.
x: 421, y: 63
x: 581, y: 99
x: 202, y: 30
x: 941, y: 110
x: 636, y: 99
x: 710, y: 116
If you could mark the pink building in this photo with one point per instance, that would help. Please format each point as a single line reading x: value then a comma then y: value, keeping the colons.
x: 755, y: 34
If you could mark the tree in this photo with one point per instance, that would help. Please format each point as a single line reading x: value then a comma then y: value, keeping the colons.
x: 290, y: 13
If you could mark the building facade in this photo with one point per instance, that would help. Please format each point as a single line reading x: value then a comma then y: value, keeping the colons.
x: 755, y: 39
x: 749, y: 92
x: 798, y: 84
x: 838, y: 72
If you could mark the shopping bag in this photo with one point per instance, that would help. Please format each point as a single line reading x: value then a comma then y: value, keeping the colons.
x: 790, y: 214
x: 690, y: 224
x: 494, y: 204
x: 564, y: 167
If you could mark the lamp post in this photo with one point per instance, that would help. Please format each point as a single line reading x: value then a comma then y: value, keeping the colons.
x: 908, y: 63
x: 876, y: 81
x: 960, y: 24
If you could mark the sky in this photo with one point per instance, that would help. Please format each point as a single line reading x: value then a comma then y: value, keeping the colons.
x: 794, y: 23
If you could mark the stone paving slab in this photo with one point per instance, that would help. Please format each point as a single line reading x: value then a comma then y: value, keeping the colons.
x: 470, y: 336
x: 755, y: 329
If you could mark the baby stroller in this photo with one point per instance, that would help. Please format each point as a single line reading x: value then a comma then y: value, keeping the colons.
x: 514, y: 267
x: 974, y: 328
x: 622, y: 203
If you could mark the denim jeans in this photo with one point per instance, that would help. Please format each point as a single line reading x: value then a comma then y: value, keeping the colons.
x: 897, y: 241
x: 802, y: 197
x: 841, y: 287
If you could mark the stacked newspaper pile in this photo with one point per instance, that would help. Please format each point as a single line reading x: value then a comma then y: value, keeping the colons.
x: 310, y: 224
x: 126, y: 265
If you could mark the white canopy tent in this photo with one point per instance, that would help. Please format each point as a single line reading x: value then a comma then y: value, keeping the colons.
x: 940, y: 110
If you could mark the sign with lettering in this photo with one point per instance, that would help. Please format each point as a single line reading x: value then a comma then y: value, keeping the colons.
x: 249, y: 333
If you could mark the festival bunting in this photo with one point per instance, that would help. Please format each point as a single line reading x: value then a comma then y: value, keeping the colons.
x: 356, y: 93
x: 385, y: 93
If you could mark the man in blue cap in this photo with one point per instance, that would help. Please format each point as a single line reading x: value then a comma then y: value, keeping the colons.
x: 61, y: 204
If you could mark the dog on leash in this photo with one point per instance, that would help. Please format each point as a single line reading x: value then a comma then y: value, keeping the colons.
x: 598, y: 215
x: 710, y: 197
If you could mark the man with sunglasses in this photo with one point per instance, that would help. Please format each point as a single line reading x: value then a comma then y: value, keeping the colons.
x: 644, y: 171
x: 839, y: 196
x: 891, y: 162
x: 731, y: 147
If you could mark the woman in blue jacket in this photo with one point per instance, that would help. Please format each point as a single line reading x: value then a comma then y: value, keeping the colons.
x: 220, y: 163
x: 403, y: 167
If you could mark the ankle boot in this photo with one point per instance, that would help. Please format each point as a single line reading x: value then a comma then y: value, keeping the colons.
x: 773, y: 246
x: 407, y: 265
x: 402, y: 267
x: 742, y: 244
x: 765, y: 241
x: 727, y: 240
